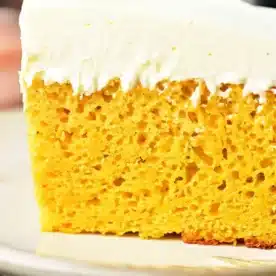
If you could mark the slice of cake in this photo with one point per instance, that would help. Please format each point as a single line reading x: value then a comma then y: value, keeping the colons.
x: 153, y: 117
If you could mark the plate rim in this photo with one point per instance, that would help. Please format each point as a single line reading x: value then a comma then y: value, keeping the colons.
x: 20, y: 262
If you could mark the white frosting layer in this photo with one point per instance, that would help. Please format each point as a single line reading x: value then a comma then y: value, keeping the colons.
x: 88, y: 42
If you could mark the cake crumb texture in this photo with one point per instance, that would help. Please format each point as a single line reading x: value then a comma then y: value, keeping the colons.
x: 153, y: 163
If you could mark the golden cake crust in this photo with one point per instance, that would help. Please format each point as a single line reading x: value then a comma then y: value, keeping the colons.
x: 255, y: 243
x: 248, y: 242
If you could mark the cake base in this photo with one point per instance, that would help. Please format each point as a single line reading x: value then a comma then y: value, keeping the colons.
x: 248, y: 242
x: 154, y: 162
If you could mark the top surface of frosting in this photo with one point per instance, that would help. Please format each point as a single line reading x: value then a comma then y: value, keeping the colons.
x: 89, y: 42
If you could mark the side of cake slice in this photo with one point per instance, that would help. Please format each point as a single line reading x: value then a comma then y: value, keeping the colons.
x: 152, y: 117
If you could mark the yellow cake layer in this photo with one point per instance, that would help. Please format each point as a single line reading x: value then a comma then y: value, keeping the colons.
x: 153, y: 163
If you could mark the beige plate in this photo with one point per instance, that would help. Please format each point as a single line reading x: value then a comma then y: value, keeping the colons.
x: 22, y: 246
